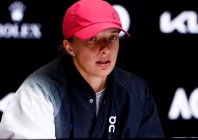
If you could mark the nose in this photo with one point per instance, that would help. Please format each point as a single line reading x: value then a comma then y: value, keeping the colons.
x: 105, y: 48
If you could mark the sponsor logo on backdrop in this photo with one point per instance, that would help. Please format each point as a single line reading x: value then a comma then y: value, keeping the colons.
x: 124, y: 17
x: 17, y: 29
x: 184, y: 23
x: 184, y: 107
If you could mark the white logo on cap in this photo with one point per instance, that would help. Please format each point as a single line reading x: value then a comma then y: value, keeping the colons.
x: 124, y: 17
x: 17, y: 11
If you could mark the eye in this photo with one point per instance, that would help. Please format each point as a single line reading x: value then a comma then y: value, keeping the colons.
x: 92, y: 39
x: 113, y: 38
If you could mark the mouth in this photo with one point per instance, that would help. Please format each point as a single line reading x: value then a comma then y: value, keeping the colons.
x: 103, y: 64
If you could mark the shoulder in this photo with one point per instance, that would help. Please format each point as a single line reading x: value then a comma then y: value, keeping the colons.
x: 46, y: 82
x: 51, y: 73
x: 40, y: 80
x: 135, y: 85
x: 128, y: 78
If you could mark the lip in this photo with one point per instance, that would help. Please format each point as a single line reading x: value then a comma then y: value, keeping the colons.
x: 103, y: 66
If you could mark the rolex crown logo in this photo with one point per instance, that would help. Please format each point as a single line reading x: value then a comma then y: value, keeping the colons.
x: 17, y: 11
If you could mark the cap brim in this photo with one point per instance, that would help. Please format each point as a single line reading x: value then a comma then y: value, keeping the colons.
x: 92, y: 30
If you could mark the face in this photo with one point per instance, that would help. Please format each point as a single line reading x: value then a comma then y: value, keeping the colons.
x: 96, y: 56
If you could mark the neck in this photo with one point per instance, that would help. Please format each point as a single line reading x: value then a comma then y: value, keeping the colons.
x: 97, y: 83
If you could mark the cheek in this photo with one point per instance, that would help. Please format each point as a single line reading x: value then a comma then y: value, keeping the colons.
x: 114, y: 49
x: 83, y: 55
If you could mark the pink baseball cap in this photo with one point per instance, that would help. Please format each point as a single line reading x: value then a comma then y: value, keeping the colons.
x: 86, y: 18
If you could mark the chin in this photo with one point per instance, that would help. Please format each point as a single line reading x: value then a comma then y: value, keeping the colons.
x: 103, y: 73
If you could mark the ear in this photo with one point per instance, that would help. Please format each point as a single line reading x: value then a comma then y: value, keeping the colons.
x: 68, y: 47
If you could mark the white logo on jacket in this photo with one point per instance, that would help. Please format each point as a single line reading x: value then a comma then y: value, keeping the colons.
x: 112, y: 121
